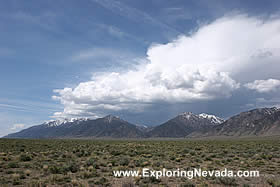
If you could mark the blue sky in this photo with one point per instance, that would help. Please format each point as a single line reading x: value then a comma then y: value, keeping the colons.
x: 50, y: 46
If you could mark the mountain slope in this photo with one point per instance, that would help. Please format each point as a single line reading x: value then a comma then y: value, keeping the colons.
x: 185, y: 124
x: 109, y: 126
x: 257, y: 122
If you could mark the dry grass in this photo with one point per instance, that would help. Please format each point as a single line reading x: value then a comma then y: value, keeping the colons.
x: 91, y: 162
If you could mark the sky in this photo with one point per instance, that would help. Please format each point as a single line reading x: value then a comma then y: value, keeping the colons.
x: 144, y: 61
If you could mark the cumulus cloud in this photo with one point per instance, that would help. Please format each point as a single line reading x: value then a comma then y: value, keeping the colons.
x: 17, y: 126
x: 264, y: 86
x: 210, y: 63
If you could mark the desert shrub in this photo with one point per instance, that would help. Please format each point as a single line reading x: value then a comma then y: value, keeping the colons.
x: 178, y: 159
x: 157, y: 164
x: 25, y: 158
x: 93, y: 182
x: 83, y: 153
x: 103, y: 164
x: 59, y: 179
x: 55, y: 170
x: 5, y: 158
x: 172, y: 157
x: 132, y: 153
x: 188, y: 184
x: 213, y: 156
x: 192, y: 153
x: 22, y: 176
x: 95, y: 174
x: 138, y: 162
x: 73, y: 167
x: 128, y: 184
x: 154, y: 180
x: 90, y: 162
x: 102, y: 181
x: 9, y: 171
x: 208, y: 159
x: 150, y: 180
x: 13, y: 165
x: 115, y: 153
x: 269, y: 157
x: 227, y: 181
x: 21, y: 150
x: 114, y: 162
x: 274, y: 182
x: 86, y: 175
x: 16, y: 182
x: 124, y: 161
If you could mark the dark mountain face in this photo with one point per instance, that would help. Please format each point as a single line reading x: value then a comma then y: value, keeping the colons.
x: 185, y: 124
x: 109, y: 126
x: 257, y: 122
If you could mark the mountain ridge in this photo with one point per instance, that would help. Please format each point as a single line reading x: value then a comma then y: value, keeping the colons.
x: 108, y: 126
x: 256, y: 122
x: 184, y: 124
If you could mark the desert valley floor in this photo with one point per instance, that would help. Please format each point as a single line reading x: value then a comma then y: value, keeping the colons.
x: 91, y: 162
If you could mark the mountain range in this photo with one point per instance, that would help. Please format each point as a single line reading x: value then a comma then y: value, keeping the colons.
x: 185, y: 124
x: 257, y: 122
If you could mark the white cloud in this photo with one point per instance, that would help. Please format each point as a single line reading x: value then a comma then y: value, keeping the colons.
x: 17, y: 126
x: 211, y: 63
x: 264, y: 86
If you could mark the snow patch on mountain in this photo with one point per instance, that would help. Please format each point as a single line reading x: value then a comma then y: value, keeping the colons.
x: 55, y: 123
x: 214, y: 119
x: 189, y: 115
x: 186, y: 115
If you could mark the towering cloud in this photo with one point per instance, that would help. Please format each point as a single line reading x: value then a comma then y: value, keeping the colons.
x: 212, y: 62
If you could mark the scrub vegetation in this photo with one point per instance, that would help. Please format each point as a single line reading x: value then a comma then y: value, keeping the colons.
x: 92, y: 162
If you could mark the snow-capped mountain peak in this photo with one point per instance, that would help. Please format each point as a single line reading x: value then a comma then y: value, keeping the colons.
x: 186, y: 115
x: 213, y: 118
x: 55, y: 123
